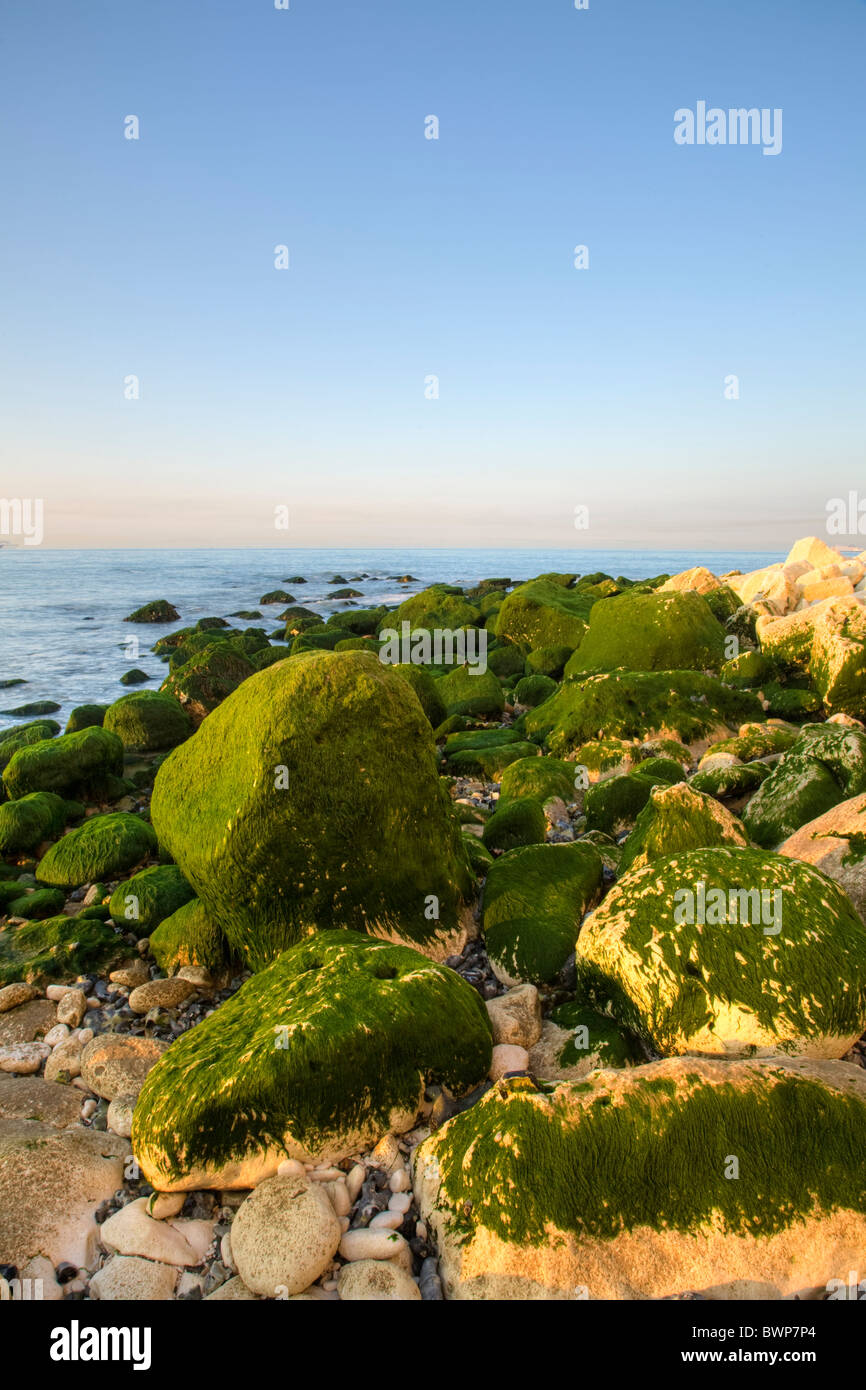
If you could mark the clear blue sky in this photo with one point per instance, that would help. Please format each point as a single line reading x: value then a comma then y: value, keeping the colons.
x: 412, y: 257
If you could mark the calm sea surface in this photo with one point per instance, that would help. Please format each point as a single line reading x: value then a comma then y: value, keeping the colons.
x: 62, y: 611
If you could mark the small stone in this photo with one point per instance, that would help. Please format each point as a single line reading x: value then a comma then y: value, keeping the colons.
x: 56, y: 1035
x: 131, y: 974
x: 284, y: 1236
x: 115, y: 1064
x: 89, y: 1108
x: 399, y: 1180
x: 376, y: 1281
x: 386, y: 1153
x: 13, y: 995
x: 160, y: 994
x: 401, y: 1202
x: 48, y: 1288
x: 233, y: 1289
x: 507, y: 1057
x: 291, y: 1168
x: 197, y: 975
x: 23, y: 1058
x: 72, y: 1007
x: 119, y: 1117
x: 371, y: 1245
x: 163, y: 1205
x: 355, y: 1180
x: 132, y: 1232
x: 386, y: 1221
x: 64, y: 1064
x: 56, y: 992
x: 516, y: 1016
x: 130, y: 1277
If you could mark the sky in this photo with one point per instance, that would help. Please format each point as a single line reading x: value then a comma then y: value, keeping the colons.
x: 296, y: 406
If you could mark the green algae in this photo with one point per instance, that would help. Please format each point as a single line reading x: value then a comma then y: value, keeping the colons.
x: 534, y: 899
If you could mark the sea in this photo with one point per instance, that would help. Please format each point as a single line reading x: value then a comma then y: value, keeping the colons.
x: 62, y: 628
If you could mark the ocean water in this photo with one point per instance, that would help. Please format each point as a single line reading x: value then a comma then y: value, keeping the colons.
x: 62, y: 612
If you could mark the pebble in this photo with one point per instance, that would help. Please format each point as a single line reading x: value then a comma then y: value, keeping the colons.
x: 163, y: 1205
x: 400, y: 1201
x: 13, y: 995
x: 386, y: 1221
x: 88, y: 1109
x: 23, y: 1058
x: 56, y: 1035
x: 56, y: 992
x: 371, y: 1245
x: 376, y: 1281
x: 119, y: 1115
x: 284, y: 1236
x: 131, y: 974
x: 516, y: 1016
x: 399, y: 1180
x: 355, y: 1180
x: 72, y: 1007
x: 160, y: 994
x: 291, y: 1168
x: 128, y: 1277
x: 507, y: 1057
x: 131, y: 1231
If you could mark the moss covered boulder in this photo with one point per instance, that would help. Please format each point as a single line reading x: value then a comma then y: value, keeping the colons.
x: 685, y: 705
x: 35, y: 906
x: 541, y: 778
x: 728, y: 951
x: 103, y: 847
x: 203, y: 682
x: 576, y: 1040
x: 310, y: 798
x: 189, y: 937
x: 534, y: 690
x: 731, y: 782
x: 38, y: 816
x: 24, y: 736
x: 71, y: 765
x: 61, y: 949
x: 544, y: 613
x: 159, y: 610
x: 675, y: 819
x: 614, y: 805
x: 518, y: 822
x: 469, y: 690
x: 140, y: 903
x: 622, y: 1186
x: 650, y: 632
x: 316, y: 1057
x: 826, y: 765
x: 426, y: 688
x: 548, y: 661
x: 85, y: 717
x: 534, y: 900
x: 837, y: 661
x: 147, y: 722
x: 490, y: 762
x: 440, y: 606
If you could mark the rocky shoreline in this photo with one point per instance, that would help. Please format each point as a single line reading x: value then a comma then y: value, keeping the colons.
x: 541, y: 976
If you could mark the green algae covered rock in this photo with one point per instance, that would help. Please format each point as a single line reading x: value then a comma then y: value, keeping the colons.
x: 204, y: 681
x: 836, y: 844
x: 739, y: 779
x: 548, y: 661
x: 519, y: 822
x: 650, y: 632
x: 463, y: 740
x: 837, y: 663
x: 506, y: 661
x: 103, y: 847
x: 675, y: 819
x: 728, y: 951
x: 311, y: 798
x: 85, y: 717
x: 437, y: 607
x: 140, y: 903
x: 489, y: 762
x: 544, y: 613
x: 70, y: 764
x: 426, y: 688
x: 471, y: 691
x: 24, y: 736
x: 540, y: 778
x: 839, y: 748
x: 798, y: 790
x: 749, y: 669
x: 189, y: 937
x: 159, y: 610
x: 639, y: 704
x: 534, y: 900
x: 576, y: 1190
x: 756, y: 741
x: 148, y: 722
x: 43, y: 902
x: 479, y: 855
x: 38, y: 816
x: 613, y: 805
x: 316, y: 1057
x: 534, y: 690
x: 61, y: 948
x: 576, y: 1040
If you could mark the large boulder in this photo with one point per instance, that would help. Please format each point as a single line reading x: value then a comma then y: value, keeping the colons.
x: 69, y: 765
x: 836, y: 844
x: 685, y: 705
x: 316, y: 1057
x: 103, y: 847
x: 544, y: 613
x: 731, y: 952
x: 730, y: 1180
x: 468, y: 690
x: 650, y: 632
x: 534, y: 900
x: 676, y: 819
x: 148, y: 722
x: 140, y: 903
x: 61, y: 948
x: 310, y: 798
x: 202, y: 683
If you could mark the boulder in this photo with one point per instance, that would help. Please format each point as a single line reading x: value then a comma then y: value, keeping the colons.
x: 835, y: 843
x: 103, y: 847
x: 284, y: 1236
x: 534, y: 900
x: 728, y: 951
x: 68, y: 765
x: 543, y: 613
x: 315, y: 1057
x: 621, y: 1186
x: 650, y: 632
x: 148, y: 722
x: 140, y: 903
x: 675, y: 819
x: 311, y: 798
x: 60, y: 948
